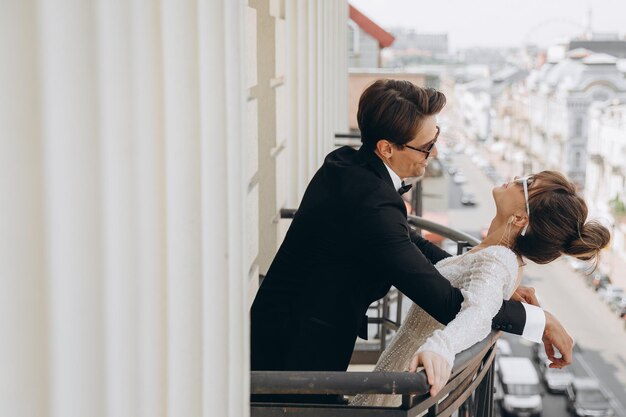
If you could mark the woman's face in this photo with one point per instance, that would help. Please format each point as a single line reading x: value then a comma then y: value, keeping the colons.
x: 510, y: 199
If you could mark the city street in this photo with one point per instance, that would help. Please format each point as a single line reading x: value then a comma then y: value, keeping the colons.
x: 599, y: 334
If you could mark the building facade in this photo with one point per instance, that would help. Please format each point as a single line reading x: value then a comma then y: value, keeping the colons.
x: 605, y: 189
x: 547, y: 115
x: 365, y: 40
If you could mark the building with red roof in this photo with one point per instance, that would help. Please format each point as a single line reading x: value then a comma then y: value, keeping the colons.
x: 365, y: 40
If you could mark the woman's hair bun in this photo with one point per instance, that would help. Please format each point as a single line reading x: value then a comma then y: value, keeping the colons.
x: 592, y: 238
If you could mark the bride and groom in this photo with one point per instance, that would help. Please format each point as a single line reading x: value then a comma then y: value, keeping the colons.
x: 349, y: 242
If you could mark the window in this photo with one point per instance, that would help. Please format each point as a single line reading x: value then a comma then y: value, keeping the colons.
x: 578, y: 127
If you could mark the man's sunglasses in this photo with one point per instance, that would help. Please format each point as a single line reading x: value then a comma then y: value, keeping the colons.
x: 426, y: 150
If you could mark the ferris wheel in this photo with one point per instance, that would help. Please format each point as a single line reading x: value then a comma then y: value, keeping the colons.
x: 552, y: 30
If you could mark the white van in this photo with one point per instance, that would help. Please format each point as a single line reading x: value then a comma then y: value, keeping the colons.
x: 521, y: 395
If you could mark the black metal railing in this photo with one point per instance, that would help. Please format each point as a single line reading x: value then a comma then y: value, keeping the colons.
x: 469, y: 391
x: 348, y: 139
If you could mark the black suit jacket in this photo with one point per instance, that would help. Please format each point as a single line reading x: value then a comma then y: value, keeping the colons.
x: 348, y: 243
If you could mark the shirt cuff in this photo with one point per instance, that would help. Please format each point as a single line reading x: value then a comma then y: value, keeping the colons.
x: 535, y: 323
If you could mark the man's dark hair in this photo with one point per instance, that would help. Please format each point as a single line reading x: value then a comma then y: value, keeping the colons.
x: 394, y: 110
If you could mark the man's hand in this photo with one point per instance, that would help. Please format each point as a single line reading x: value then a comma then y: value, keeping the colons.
x: 437, y: 369
x: 525, y: 295
x: 555, y: 336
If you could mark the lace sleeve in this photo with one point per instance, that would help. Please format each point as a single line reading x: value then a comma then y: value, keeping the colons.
x: 489, y: 277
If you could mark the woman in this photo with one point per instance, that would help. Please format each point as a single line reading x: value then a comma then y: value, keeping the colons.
x: 538, y: 217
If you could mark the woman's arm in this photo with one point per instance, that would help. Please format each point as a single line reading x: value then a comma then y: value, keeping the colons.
x: 489, y: 275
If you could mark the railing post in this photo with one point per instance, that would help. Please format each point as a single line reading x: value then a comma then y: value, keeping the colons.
x: 383, y: 324
x: 484, y: 395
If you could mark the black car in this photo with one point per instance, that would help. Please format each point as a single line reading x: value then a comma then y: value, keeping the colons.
x: 586, y: 398
x: 468, y: 199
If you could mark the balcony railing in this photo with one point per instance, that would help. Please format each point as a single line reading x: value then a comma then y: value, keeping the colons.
x: 469, y: 392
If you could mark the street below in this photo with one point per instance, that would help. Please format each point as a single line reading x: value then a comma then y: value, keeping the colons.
x: 599, y: 333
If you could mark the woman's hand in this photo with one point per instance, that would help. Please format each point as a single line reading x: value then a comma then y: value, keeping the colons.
x: 437, y: 369
x: 525, y: 295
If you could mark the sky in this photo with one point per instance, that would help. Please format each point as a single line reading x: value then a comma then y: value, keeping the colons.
x: 497, y: 23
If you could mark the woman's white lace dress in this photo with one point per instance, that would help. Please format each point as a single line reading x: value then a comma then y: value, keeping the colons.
x: 485, y: 278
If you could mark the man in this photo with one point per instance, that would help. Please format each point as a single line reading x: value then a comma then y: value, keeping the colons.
x: 349, y: 242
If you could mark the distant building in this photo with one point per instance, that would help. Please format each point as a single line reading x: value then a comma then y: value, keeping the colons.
x: 478, y: 96
x: 559, y: 98
x: 606, y: 148
x: 365, y: 40
x: 614, y: 47
x: 605, y: 189
x: 426, y: 43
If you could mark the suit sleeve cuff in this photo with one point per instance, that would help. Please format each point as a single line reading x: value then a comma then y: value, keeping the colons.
x: 535, y: 323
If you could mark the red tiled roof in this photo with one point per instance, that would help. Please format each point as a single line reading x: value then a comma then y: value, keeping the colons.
x: 383, y: 37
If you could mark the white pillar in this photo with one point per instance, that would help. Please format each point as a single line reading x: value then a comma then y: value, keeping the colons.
x: 212, y: 47
x: 147, y: 63
x: 312, y: 116
x: 329, y: 79
x: 342, y: 70
x: 292, y: 42
x: 184, y: 227
x: 302, y: 92
x: 238, y: 313
x: 73, y: 205
x: 118, y: 192
x: 23, y: 298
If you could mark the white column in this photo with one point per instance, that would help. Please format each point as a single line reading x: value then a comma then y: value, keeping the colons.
x: 302, y: 93
x: 215, y: 237
x: 184, y: 227
x: 321, y: 28
x: 23, y: 298
x: 237, y: 313
x: 312, y: 114
x: 73, y: 205
x: 329, y: 47
x: 292, y: 42
x: 150, y: 207
x: 118, y: 192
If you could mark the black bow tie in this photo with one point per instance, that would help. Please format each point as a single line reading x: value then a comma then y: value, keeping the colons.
x: 404, y: 188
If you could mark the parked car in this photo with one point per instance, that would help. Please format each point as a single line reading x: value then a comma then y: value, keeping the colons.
x: 598, y: 280
x: 452, y: 170
x: 609, y: 292
x: 618, y: 305
x: 519, y: 383
x: 459, y: 178
x: 556, y: 380
x: 468, y: 199
x: 586, y: 398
